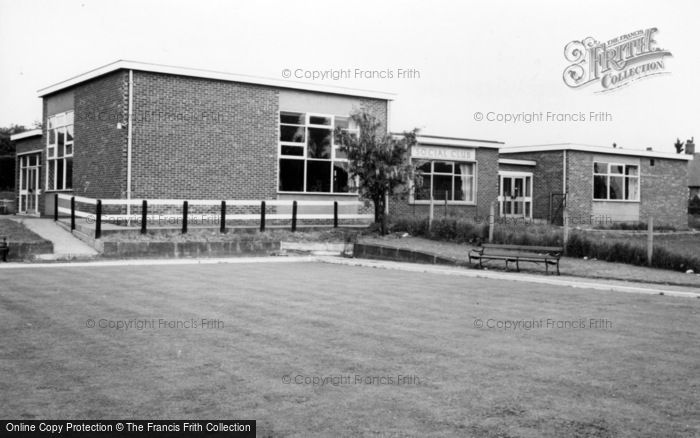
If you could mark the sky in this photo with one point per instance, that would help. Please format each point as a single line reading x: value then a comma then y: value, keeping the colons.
x: 494, y: 58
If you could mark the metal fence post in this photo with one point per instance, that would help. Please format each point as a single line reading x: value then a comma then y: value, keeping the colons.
x: 650, y: 240
x: 144, y: 216
x: 222, y: 227
x: 55, y: 207
x: 262, y: 216
x: 98, y: 219
x: 294, y: 216
x: 184, y: 217
x: 335, y: 214
x: 72, y: 213
x: 492, y: 220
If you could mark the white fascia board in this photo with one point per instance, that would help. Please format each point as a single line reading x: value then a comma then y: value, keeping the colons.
x: 25, y: 134
x: 216, y: 75
x: 517, y: 162
x: 595, y: 150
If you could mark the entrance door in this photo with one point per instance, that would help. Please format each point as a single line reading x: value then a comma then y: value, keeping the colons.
x: 29, y: 183
x: 515, y: 195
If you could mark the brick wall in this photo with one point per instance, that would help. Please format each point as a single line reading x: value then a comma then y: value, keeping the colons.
x: 546, y: 179
x: 579, y: 185
x: 663, y: 192
x: 203, y: 139
x: 99, y: 158
x: 486, y: 192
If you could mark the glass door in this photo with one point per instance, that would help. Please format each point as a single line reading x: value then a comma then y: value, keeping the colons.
x: 515, y: 195
x: 29, y: 184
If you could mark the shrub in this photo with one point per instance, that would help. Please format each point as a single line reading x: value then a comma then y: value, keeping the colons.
x: 625, y: 252
x: 633, y: 226
x: 451, y: 229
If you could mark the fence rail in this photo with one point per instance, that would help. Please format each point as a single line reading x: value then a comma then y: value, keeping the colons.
x: 98, y: 217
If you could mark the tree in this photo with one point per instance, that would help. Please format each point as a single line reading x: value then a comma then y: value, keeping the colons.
x: 7, y: 147
x: 679, y: 146
x: 379, y: 160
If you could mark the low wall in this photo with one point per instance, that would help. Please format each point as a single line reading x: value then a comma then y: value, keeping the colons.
x: 241, y: 247
x: 26, y: 250
x: 378, y: 252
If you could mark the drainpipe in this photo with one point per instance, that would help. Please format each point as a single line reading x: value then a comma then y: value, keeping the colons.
x: 128, y: 145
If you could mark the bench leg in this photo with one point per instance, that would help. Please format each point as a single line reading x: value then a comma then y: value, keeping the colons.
x: 517, y: 265
x: 557, y: 267
x: 546, y: 267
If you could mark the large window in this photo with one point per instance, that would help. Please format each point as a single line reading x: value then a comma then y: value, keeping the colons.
x: 453, y: 181
x: 615, y: 182
x: 310, y: 160
x: 59, y: 152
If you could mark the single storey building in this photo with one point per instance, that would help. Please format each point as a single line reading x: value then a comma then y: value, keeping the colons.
x: 598, y: 184
x: 132, y: 130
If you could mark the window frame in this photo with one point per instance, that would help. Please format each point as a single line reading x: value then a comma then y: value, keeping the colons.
x: 332, y: 160
x: 474, y: 177
x: 59, y: 123
x: 623, y: 175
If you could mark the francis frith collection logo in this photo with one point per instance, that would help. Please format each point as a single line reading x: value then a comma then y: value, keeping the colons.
x: 614, y: 63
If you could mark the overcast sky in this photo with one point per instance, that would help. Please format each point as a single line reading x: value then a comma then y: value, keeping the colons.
x: 492, y: 57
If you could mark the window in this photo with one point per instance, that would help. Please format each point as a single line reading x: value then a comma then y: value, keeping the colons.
x: 59, y: 152
x: 446, y: 180
x: 310, y: 160
x: 614, y: 181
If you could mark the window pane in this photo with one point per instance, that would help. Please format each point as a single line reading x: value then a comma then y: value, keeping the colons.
x: 59, y: 175
x: 507, y: 186
x: 60, y: 120
x: 616, y: 169
x: 442, y: 167
x: 464, y: 190
x: 518, y: 187
x: 293, y: 134
x: 69, y: 149
x: 600, y: 187
x: 631, y: 188
x: 52, y: 123
x: 424, y: 167
x: 527, y: 186
x: 600, y: 167
x: 340, y: 154
x: 69, y: 133
x: 32, y: 160
x: 340, y: 178
x: 52, y: 152
x: 442, y: 187
x: 52, y: 136
x: 61, y: 137
x: 293, y: 150
x: 52, y: 172
x: 616, y: 183
x: 319, y: 120
x: 423, y: 192
x: 631, y: 170
x: 342, y: 122
x: 320, y: 143
x: 291, y: 175
x: 318, y: 176
x: 69, y: 118
x: 69, y: 173
x: 293, y: 118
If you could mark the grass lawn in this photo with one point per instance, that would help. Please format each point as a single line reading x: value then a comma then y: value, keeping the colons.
x: 636, y: 376
x: 568, y: 265
x: 685, y: 244
x: 16, y: 232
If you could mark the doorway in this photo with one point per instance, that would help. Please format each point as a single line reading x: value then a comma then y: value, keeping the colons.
x: 515, y: 194
x: 29, y: 191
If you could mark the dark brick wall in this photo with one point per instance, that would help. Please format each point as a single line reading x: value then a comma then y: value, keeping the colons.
x: 579, y: 185
x: 99, y: 162
x: 664, y: 193
x: 203, y: 139
x: 546, y: 179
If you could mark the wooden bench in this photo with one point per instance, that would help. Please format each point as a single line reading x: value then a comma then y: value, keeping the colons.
x: 549, y: 255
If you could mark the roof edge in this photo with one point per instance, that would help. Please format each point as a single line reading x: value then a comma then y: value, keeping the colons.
x: 26, y: 134
x: 593, y: 149
x: 211, y: 74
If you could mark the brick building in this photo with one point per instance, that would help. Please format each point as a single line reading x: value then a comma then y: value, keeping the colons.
x: 460, y: 174
x: 602, y: 184
x: 131, y: 130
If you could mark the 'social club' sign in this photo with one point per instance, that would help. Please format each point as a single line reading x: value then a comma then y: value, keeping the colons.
x: 442, y: 153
